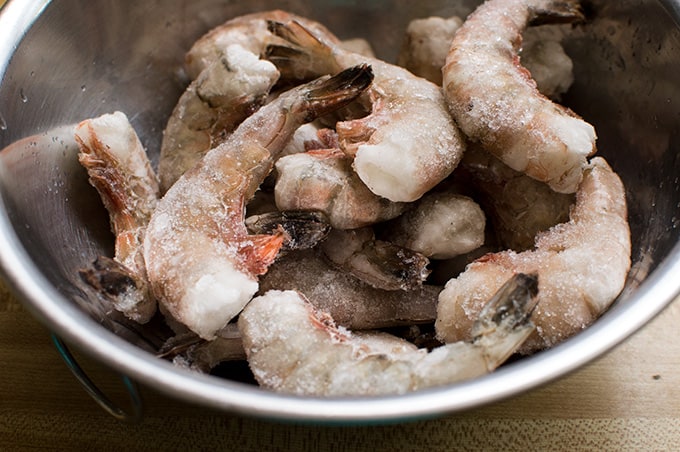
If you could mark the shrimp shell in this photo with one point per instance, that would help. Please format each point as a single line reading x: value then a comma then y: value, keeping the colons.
x: 119, y: 169
x: 351, y: 302
x: 223, y: 95
x: 495, y: 101
x: 519, y: 207
x: 250, y: 31
x: 408, y: 143
x: 294, y: 348
x: 582, y: 267
x: 440, y: 225
x: 325, y: 181
x: 426, y: 45
x: 201, y: 261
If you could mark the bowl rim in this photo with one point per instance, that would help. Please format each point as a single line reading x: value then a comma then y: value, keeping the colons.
x: 62, y: 317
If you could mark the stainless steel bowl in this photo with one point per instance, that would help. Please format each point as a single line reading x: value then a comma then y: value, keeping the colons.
x: 65, y: 60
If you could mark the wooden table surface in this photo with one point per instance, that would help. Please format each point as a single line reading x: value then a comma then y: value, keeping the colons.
x: 627, y: 400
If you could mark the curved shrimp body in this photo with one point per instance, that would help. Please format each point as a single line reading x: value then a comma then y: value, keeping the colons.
x: 324, y: 181
x: 408, y: 143
x: 230, y: 82
x: 519, y: 207
x: 582, y: 267
x: 119, y: 169
x: 426, y: 44
x: 202, y: 263
x: 249, y: 31
x: 223, y: 95
x: 378, y: 263
x: 293, y: 348
x: 351, y: 302
x: 441, y: 225
x: 495, y: 101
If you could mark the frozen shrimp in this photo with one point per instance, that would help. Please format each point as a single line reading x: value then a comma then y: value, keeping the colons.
x: 495, y: 101
x: 582, y: 266
x: 294, y: 348
x: 543, y: 55
x: 323, y: 180
x: 426, y: 44
x: 202, y: 264
x: 352, y: 302
x: 229, y: 83
x: 428, y: 40
x: 305, y: 138
x: 441, y: 225
x: 119, y: 169
x: 518, y: 206
x: 407, y: 143
x: 224, y: 94
x: 358, y: 45
x: 381, y: 264
x: 249, y: 31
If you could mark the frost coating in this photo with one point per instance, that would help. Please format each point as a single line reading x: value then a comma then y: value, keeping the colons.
x: 296, y: 349
x: 202, y: 263
x: 582, y: 266
x: 441, y: 226
x: 495, y: 101
x: 408, y: 143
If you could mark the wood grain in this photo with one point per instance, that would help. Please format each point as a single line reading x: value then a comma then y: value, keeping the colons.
x: 627, y: 400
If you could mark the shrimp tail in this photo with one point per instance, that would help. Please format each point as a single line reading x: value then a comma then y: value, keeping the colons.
x: 304, y: 55
x: 330, y: 94
x: 303, y: 229
x: 556, y: 11
x: 504, y: 322
x: 118, y: 286
x: 261, y: 250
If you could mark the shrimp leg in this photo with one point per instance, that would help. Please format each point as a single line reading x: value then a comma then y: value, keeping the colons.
x: 202, y: 263
x: 293, y: 348
x: 495, y: 101
x: 121, y: 172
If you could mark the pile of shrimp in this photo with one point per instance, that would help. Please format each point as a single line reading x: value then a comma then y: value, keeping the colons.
x: 354, y: 227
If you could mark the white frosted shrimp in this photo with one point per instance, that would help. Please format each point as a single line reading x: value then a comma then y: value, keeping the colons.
x: 428, y: 40
x: 202, y: 264
x: 582, y: 267
x: 352, y: 303
x: 305, y: 134
x: 495, y: 101
x: 214, y: 104
x: 441, y: 225
x: 293, y: 348
x: 518, y: 206
x: 407, y: 143
x: 426, y: 44
x: 381, y: 264
x: 544, y: 57
x: 119, y: 169
x: 323, y: 180
x: 250, y: 31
